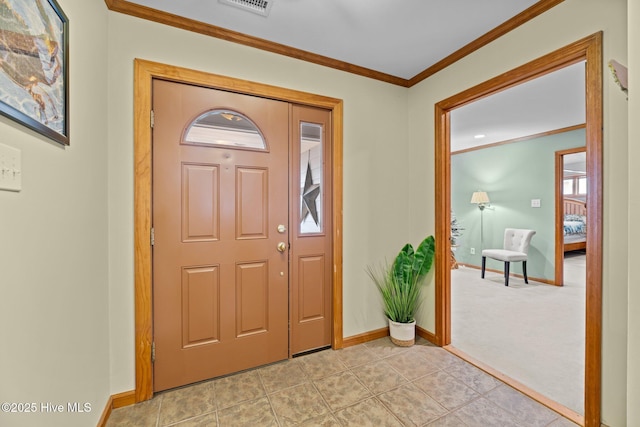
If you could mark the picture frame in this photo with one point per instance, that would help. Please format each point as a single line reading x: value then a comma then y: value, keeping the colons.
x: 34, y: 66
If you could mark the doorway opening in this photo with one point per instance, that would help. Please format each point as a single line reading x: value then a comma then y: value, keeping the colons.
x: 571, y: 207
x: 588, y: 49
x: 144, y: 74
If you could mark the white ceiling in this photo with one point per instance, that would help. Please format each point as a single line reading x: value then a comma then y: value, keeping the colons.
x: 553, y: 101
x: 402, y: 39
x: 575, y: 163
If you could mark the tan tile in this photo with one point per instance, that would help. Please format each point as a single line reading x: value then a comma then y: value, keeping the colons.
x: 383, y: 347
x: 412, y: 406
x: 282, y: 375
x: 525, y: 409
x: 439, y: 357
x: 248, y: 414
x: 474, y: 377
x: 186, y: 402
x: 326, y: 420
x: 411, y: 364
x: 379, y: 376
x: 563, y: 422
x: 482, y: 413
x: 423, y: 342
x: 297, y: 404
x: 448, y: 420
x: 356, y: 355
x: 440, y: 382
x: 144, y: 414
x: 321, y: 364
x: 446, y: 390
x: 209, y: 420
x: 342, y: 389
x: 237, y: 388
x: 368, y: 413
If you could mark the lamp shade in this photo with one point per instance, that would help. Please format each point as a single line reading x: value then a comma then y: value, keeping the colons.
x: 480, y: 197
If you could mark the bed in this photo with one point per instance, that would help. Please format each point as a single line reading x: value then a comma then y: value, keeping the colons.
x: 575, y: 225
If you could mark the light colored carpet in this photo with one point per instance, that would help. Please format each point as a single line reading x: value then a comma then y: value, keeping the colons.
x: 533, y: 333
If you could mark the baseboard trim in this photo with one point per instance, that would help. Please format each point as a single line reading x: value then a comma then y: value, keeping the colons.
x: 431, y: 337
x: 125, y: 398
x: 115, y: 401
x: 551, y: 404
x: 106, y: 413
x: 384, y: 332
x: 520, y: 276
x: 365, y: 337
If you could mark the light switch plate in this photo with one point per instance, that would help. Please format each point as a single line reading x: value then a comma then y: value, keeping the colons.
x: 10, y: 168
x: 535, y: 203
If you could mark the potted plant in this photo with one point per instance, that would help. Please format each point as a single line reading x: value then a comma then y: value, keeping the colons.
x: 400, y: 285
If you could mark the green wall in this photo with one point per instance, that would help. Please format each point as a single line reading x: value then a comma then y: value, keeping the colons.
x: 512, y: 175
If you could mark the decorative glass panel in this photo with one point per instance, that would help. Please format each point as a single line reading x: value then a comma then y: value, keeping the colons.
x: 225, y: 128
x: 310, y: 178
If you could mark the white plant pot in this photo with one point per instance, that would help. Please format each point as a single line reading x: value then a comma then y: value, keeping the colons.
x: 402, y: 334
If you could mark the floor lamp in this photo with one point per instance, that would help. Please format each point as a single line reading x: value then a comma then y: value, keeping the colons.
x: 481, y: 198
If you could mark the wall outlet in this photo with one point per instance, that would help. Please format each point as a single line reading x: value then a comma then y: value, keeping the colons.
x: 535, y: 203
x: 473, y: 251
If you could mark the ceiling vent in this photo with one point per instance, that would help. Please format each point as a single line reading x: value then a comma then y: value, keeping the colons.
x: 261, y: 7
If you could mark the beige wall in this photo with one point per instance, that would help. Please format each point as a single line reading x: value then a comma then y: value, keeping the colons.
x: 375, y: 155
x: 53, y: 247
x: 536, y: 38
x: 75, y: 310
x: 375, y: 150
x: 633, y: 343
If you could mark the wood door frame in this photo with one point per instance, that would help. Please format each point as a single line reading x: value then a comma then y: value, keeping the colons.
x: 144, y: 73
x: 588, y: 49
x: 559, y: 228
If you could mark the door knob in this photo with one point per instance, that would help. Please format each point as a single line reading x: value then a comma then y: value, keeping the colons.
x: 282, y: 246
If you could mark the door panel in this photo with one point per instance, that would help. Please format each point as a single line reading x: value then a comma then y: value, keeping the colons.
x: 200, y: 195
x: 311, y: 223
x: 220, y: 284
x: 252, y: 297
x: 310, y: 291
x: 252, y: 196
x: 200, y: 305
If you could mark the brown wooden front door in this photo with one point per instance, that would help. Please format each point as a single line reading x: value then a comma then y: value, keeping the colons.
x: 220, y: 259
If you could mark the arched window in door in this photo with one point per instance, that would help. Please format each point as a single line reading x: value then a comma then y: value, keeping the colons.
x: 225, y: 128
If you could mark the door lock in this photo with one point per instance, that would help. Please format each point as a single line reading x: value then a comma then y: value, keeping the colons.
x: 282, y: 228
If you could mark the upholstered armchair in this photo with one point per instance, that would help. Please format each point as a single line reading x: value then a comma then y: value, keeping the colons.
x: 515, y: 248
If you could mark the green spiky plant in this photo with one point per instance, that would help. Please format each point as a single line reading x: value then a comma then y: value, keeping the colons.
x: 400, y: 283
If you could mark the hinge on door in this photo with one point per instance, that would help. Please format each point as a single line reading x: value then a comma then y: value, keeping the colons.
x: 153, y: 236
x: 153, y: 119
x: 153, y: 352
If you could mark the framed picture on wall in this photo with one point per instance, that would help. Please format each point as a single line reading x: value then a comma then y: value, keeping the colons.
x: 34, y: 66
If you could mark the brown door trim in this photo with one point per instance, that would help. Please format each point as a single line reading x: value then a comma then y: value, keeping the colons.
x: 144, y: 73
x: 588, y: 49
x: 559, y: 247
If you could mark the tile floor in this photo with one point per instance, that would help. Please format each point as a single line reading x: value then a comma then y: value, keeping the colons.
x: 373, y: 384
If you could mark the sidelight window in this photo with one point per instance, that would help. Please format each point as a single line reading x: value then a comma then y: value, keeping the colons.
x: 311, y: 179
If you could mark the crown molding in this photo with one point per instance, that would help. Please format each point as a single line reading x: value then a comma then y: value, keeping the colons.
x: 161, y: 17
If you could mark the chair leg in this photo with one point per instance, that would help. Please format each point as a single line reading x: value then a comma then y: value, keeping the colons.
x: 484, y: 263
x: 524, y: 271
x: 506, y: 273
